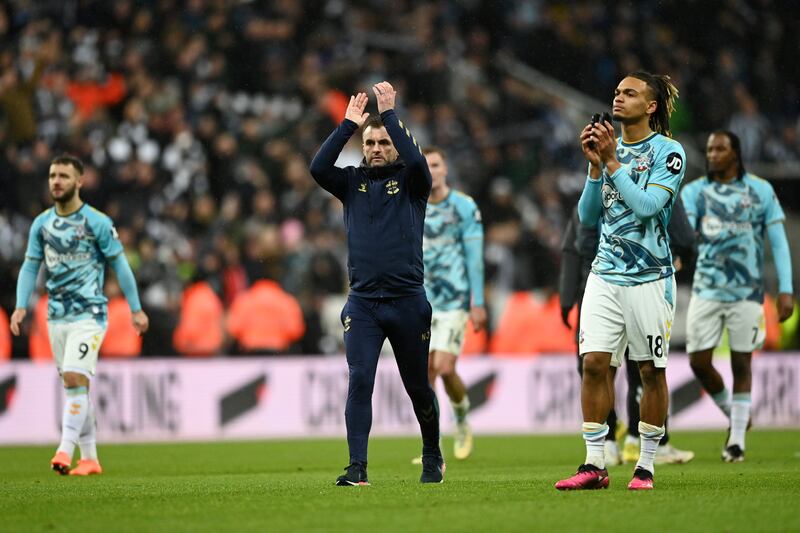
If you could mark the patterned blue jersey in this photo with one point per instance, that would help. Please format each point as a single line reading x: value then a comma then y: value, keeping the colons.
x: 74, y: 249
x: 731, y: 220
x: 452, y: 248
x: 633, y: 251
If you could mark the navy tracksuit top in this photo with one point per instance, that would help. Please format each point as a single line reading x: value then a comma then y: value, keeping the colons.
x: 384, y: 211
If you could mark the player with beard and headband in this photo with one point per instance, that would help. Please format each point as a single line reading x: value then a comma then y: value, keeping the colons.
x: 732, y: 211
x: 629, y: 301
x: 75, y: 242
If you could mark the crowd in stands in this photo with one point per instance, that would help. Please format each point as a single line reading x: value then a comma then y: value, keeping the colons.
x: 197, y: 120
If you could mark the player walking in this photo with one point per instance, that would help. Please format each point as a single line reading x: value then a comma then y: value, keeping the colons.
x: 75, y: 242
x: 732, y: 210
x: 453, y: 256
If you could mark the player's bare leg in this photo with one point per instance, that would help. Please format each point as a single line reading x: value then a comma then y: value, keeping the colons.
x: 444, y: 365
x: 652, y: 416
x: 703, y: 368
x: 597, y: 397
x: 611, y: 449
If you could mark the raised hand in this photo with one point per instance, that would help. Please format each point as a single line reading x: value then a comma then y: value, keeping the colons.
x: 355, y: 109
x: 605, y: 140
x: 590, y: 152
x: 385, y: 94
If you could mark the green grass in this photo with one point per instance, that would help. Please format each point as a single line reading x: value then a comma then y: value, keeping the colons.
x: 506, y: 486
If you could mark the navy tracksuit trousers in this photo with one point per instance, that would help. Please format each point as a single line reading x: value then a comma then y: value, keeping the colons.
x: 406, y: 322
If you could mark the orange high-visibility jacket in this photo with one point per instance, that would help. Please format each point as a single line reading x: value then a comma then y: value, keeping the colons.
x: 39, y: 341
x: 530, y: 327
x: 200, y: 330
x: 265, y: 317
x: 5, y: 336
x: 121, y: 338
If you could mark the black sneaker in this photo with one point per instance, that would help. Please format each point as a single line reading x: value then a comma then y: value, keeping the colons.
x: 432, y: 470
x: 355, y: 474
x: 733, y: 454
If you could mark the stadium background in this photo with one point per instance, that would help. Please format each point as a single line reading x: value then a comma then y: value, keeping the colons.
x: 198, y: 120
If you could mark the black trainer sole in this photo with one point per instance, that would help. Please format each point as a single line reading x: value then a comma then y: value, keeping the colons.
x: 61, y: 469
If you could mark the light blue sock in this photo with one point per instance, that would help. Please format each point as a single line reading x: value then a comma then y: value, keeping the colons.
x: 723, y: 401
x: 461, y: 409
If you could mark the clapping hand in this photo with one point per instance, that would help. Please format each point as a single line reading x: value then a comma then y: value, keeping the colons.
x: 355, y: 109
x: 385, y: 94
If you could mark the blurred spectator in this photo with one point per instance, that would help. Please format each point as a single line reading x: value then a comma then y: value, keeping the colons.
x: 529, y: 325
x: 197, y: 120
x: 750, y: 125
x: 17, y: 95
x: 200, y: 328
x: 121, y: 340
x: 265, y: 319
x: 5, y: 337
x: 39, y: 348
x: 94, y: 90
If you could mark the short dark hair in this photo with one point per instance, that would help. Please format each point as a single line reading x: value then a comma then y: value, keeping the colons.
x: 374, y: 121
x: 68, y: 159
x: 433, y: 150
x: 664, y: 93
x: 736, y: 146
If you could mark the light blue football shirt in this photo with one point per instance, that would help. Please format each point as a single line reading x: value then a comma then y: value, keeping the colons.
x: 731, y: 220
x: 74, y: 249
x: 452, y: 248
x: 634, y: 251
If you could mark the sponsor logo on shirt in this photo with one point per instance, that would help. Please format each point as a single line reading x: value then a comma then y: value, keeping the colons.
x: 712, y: 226
x: 642, y: 163
x: 610, y: 195
x: 674, y: 162
x: 53, y: 258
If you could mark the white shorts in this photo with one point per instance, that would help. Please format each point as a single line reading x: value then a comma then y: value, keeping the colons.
x: 638, y: 317
x: 76, y: 345
x: 744, y: 320
x: 447, y: 331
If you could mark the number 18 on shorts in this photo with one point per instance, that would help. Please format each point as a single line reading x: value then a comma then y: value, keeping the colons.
x: 638, y: 317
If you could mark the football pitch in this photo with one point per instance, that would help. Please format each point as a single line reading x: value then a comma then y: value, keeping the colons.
x: 507, y: 485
